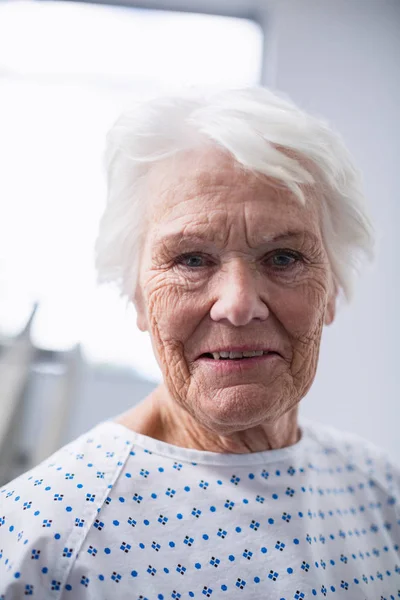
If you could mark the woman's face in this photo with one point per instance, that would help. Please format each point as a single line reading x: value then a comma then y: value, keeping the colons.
x: 231, y: 264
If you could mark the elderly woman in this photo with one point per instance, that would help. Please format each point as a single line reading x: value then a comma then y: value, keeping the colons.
x: 233, y: 224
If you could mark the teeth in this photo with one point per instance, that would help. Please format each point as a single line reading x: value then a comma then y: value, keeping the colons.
x: 246, y: 354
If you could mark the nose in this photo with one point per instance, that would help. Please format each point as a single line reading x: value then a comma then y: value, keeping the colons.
x: 238, y: 298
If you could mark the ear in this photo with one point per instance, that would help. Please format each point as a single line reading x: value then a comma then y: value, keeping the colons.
x: 141, y: 313
x: 330, y: 311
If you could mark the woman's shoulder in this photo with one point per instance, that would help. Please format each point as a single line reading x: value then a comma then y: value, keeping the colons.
x: 92, y: 458
x: 357, y: 454
x: 46, y: 513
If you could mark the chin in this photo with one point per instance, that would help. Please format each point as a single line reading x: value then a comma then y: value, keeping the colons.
x: 238, y: 407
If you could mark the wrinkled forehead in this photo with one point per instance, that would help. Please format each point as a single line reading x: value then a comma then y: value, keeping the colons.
x: 208, y: 180
x: 202, y: 169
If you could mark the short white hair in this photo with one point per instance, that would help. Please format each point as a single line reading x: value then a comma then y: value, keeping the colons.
x: 262, y: 130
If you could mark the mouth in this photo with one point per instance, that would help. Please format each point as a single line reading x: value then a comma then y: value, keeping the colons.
x: 234, y: 355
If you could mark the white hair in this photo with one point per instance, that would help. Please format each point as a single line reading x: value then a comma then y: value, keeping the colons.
x: 262, y: 131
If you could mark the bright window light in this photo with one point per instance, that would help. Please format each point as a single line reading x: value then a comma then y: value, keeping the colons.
x: 66, y: 72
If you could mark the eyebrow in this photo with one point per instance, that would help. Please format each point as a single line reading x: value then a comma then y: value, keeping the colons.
x: 288, y: 235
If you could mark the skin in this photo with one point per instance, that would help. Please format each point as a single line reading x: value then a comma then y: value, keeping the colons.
x: 219, y: 270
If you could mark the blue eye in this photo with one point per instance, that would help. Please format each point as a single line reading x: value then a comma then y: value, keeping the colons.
x: 282, y: 263
x: 192, y: 261
x: 283, y: 259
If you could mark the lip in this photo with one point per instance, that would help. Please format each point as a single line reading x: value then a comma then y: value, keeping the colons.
x: 247, y: 348
x: 235, y: 366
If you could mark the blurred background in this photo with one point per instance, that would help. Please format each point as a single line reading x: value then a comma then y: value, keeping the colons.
x: 70, y: 352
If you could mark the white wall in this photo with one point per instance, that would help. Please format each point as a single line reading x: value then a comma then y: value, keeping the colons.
x: 341, y: 59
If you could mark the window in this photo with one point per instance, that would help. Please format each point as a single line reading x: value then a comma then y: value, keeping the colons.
x: 64, y: 78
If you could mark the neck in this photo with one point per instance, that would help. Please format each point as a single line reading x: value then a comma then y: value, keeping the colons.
x: 159, y: 417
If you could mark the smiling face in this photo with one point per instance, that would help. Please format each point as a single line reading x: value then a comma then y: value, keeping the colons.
x: 231, y: 264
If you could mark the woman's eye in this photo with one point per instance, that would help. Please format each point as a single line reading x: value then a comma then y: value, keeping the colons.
x: 282, y: 260
x: 192, y: 261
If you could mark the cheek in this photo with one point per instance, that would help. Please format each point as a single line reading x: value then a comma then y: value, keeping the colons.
x: 173, y: 312
x: 173, y: 315
x: 167, y: 332
x: 301, y: 312
x: 301, y: 308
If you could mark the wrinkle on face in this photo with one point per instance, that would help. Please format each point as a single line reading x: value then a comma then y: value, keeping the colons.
x: 203, y: 201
